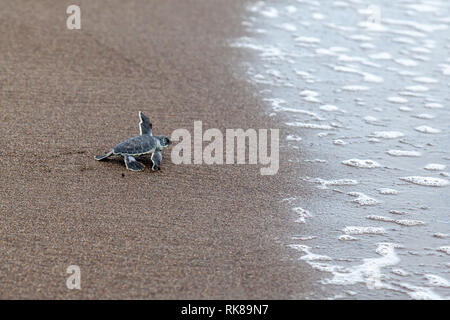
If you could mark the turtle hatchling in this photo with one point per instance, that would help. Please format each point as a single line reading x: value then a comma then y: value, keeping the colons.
x: 145, y: 143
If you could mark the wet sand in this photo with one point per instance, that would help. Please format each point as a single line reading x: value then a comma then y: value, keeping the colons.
x: 188, y: 231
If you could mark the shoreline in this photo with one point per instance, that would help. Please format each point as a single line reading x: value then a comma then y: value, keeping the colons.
x: 186, y: 232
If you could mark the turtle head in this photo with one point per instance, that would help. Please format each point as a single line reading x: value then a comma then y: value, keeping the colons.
x: 164, y: 141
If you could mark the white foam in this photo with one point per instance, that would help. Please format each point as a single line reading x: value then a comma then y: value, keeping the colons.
x: 302, y: 214
x: 388, y: 134
x: 291, y: 9
x: 307, y: 39
x: 406, y: 62
x: 397, y: 100
x: 387, y: 191
x: 318, y: 16
x: 437, y: 281
x: 441, y: 235
x: 417, y: 88
x: 445, y: 69
x: 400, y: 272
x: 445, y: 249
x: 425, y: 80
x: 369, y: 272
x: 310, y: 125
x: 346, y: 237
x: 363, y: 199
x: 293, y: 138
x: 353, y: 230
x: 419, y: 293
x: 368, y: 77
x: 355, y: 88
x: 433, y: 105
x: 435, y: 167
x: 334, y: 182
x: 310, y: 95
x: 421, y: 7
x: 370, y: 119
x: 404, y: 153
x: 381, y: 56
x: 309, y: 256
x: 288, y: 27
x: 425, y: 116
x: 359, y: 163
x: 403, y: 222
x: 270, y: 13
x: 339, y: 142
x: 328, y: 107
x: 304, y: 238
x: 426, y: 181
x: 427, y: 129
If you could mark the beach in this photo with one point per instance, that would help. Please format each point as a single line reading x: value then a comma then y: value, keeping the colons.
x: 185, y: 232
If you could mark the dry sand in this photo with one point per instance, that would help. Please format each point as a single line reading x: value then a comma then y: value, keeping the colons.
x: 188, y: 231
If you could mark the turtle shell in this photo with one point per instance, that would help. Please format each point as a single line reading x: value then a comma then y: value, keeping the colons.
x: 136, y: 145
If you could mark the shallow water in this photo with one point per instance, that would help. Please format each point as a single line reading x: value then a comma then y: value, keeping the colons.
x: 366, y: 92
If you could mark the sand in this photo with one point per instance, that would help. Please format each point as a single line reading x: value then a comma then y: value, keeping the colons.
x: 186, y: 232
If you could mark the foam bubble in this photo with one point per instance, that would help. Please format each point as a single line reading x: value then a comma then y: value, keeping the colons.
x: 339, y: 142
x: 406, y: 62
x: 370, y: 119
x: 328, y: 107
x: 400, y: 272
x: 417, y: 88
x: 437, y: 281
x: 427, y: 129
x: 310, y: 125
x: 363, y: 199
x: 293, y: 138
x: 288, y: 27
x: 270, y: 13
x: 307, y: 39
x: 353, y: 230
x: 359, y: 163
x: 369, y: 272
x: 424, y: 116
x: 388, y: 134
x: 426, y: 181
x: 419, y: 293
x: 355, y: 88
x: 425, y: 80
x: 335, y: 182
x: 346, y: 237
x: 441, y: 235
x: 433, y: 105
x: 435, y: 167
x: 445, y: 249
x: 404, y: 153
x: 387, y: 191
x: 381, y: 56
x: 309, y: 256
x: 302, y: 214
x: 403, y: 222
x: 397, y: 100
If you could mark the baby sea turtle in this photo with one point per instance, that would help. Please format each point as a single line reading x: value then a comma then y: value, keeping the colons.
x: 145, y: 143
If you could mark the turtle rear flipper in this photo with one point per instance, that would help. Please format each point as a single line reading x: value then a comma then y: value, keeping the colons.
x: 98, y: 158
x: 132, y: 164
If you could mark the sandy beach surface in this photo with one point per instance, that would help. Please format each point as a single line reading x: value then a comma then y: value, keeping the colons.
x: 188, y: 231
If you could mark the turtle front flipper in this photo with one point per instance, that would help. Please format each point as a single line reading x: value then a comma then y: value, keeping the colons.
x: 156, y: 159
x: 132, y: 164
x: 98, y: 158
x: 145, y: 125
